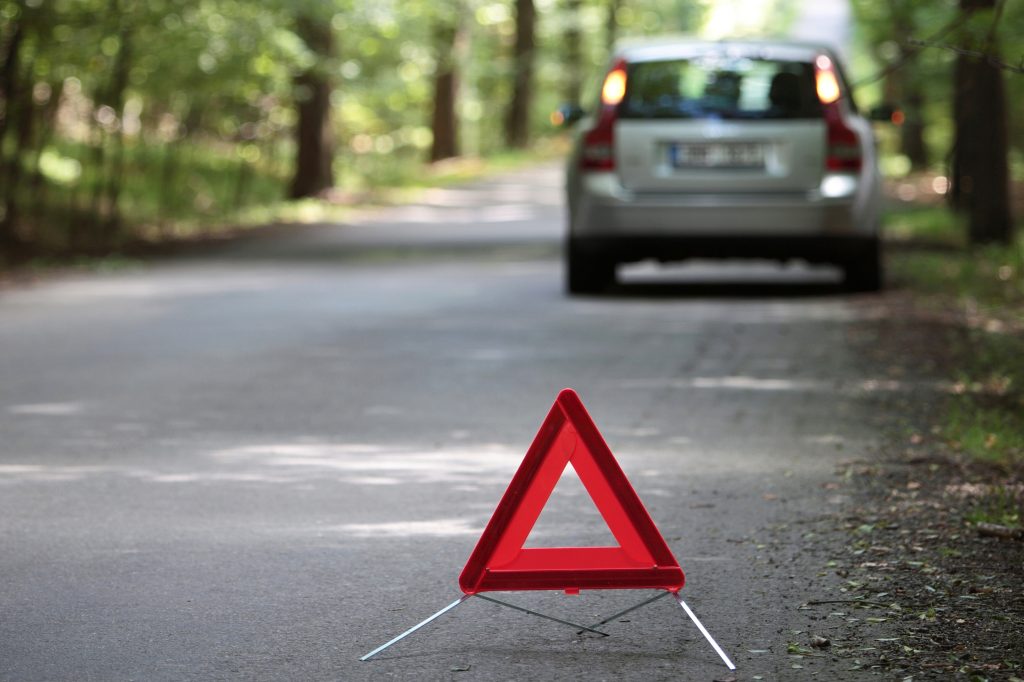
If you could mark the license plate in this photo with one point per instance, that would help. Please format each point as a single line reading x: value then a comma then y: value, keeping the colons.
x: 718, y: 155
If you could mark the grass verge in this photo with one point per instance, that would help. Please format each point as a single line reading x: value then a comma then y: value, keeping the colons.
x: 981, y: 291
x: 934, y: 538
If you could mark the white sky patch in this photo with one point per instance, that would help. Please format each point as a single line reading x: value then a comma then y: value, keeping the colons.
x: 728, y: 18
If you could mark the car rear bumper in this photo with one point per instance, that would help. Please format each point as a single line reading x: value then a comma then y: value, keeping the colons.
x: 604, y: 209
x: 814, y: 249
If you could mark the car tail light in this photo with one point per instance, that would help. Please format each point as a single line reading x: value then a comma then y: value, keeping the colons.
x: 843, y: 144
x: 599, y: 141
x: 843, y: 152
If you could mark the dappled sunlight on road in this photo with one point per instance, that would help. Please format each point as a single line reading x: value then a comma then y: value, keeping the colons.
x: 503, y: 213
x: 403, y: 529
x: 47, y: 409
x: 826, y: 439
x: 10, y: 473
x: 464, y: 468
x: 365, y: 464
x: 153, y: 284
x: 504, y: 192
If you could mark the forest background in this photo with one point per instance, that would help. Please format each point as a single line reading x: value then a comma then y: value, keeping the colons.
x: 139, y: 121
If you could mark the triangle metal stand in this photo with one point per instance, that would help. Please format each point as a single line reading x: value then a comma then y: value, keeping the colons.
x: 580, y: 628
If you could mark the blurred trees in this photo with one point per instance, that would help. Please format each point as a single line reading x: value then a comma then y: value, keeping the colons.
x: 444, y: 121
x: 980, y: 171
x: 140, y: 119
x: 312, y: 92
x: 127, y: 120
x: 967, y: 117
x: 905, y: 84
x: 890, y: 29
x: 123, y: 116
x: 573, y: 56
x: 517, y: 121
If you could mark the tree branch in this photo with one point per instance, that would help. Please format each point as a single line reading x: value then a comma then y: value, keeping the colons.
x: 909, y: 54
x: 991, y: 59
x: 990, y: 37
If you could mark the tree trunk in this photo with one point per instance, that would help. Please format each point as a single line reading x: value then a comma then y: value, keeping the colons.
x: 9, y: 72
x: 9, y: 75
x: 48, y: 123
x: 901, y: 89
x: 517, y: 122
x: 612, y: 23
x: 9, y: 241
x: 242, y: 178
x: 912, y: 143
x: 24, y: 129
x: 168, y: 180
x: 313, y: 172
x: 573, y: 53
x: 980, y: 168
x: 906, y: 91
x: 115, y: 181
x: 443, y: 121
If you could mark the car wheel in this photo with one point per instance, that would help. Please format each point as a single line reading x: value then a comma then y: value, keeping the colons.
x: 587, y: 272
x: 865, y: 273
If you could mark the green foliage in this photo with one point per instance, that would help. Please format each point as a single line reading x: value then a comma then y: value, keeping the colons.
x: 986, y: 432
x: 916, y: 222
x: 889, y: 36
x: 149, y: 113
x: 1002, y: 505
x: 985, y: 416
x: 153, y: 114
x: 930, y: 255
x: 131, y: 116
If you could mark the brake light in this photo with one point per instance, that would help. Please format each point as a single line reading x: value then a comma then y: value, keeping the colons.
x: 842, y: 143
x: 599, y: 141
x: 614, y: 88
x: 825, y: 80
x: 843, y: 153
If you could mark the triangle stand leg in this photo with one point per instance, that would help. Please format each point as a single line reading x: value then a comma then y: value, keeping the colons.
x: 703, y: 631
x: 583, y: 628
x: 416, y: 627
x: 631, y: 609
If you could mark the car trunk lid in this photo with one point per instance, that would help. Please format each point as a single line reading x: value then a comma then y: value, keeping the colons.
x: 720, y: 122
x: 710, y: 155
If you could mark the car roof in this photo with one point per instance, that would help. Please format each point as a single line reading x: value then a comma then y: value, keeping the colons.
x: 682, y: 47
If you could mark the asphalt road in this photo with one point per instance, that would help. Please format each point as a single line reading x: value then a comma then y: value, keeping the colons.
x: 264, y: 461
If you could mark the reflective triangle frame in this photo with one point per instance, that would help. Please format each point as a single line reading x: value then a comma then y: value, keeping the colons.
x: 499, y: 561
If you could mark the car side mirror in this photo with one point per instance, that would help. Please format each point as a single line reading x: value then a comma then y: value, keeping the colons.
x: 567, y: 115
x: 885, y: 113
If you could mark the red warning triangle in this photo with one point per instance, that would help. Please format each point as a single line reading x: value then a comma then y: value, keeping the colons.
x: 500, y: 562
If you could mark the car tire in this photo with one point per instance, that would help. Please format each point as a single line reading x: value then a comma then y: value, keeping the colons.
x: 586, y: 271
x: 865, y: 273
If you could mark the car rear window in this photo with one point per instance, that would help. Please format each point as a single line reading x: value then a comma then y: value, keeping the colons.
x: 720, y: 87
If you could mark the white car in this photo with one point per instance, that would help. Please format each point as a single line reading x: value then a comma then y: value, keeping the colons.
x: 733, y: 149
